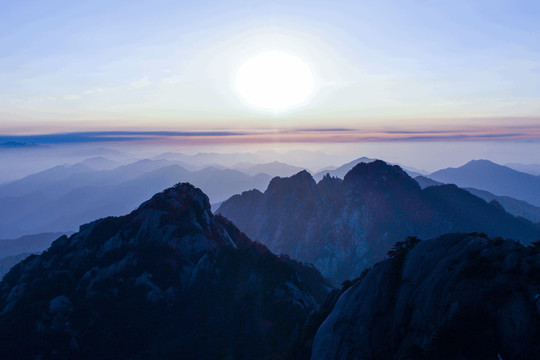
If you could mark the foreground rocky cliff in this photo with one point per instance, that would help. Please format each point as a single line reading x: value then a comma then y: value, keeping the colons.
x: 460, y: 296
x: 344, y: 226
x: 169, y: 280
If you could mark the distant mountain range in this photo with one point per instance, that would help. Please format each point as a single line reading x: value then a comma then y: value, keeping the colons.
x: 497, y: 179
x: 100, y: 163
x: 6, y: 263
x: 63, y: 197
x: 533, y: 169
x: 511, y: 205
x: 27, y: 244
x: 342, y: 170
x: 424, y: 181
x: 169, y: 280
x: 344, y: 226
x: 14, y: 250
x: 274, y: 168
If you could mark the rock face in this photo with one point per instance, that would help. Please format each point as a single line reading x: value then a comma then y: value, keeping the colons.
x: 460, y: 296
x: 344, y: 226
x: 169, y: 280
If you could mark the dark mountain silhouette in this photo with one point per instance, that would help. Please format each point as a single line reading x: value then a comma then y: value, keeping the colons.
x: 344, y: 226
x: 342, y: 170
x: 511, y: 205
x: 169, y: 280
x: 61, y: 198
x: 497, y: 179
x: 459, y: 296
x: 424, y: 181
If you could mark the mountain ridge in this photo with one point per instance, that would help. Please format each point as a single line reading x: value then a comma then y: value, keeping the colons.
x: 497, y: 179
x: 458, y: 296
x: 344, y: 226
x: 169, y: 279
x: 71, y: 195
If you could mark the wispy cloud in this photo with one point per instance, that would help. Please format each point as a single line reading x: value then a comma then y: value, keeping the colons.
x: 111, y: 136
x: 94, y: 91
x: 327, y: 130
x: 175, y: 79
x: 300, y: 135
x: 140, y: 83
x: 72, y: 97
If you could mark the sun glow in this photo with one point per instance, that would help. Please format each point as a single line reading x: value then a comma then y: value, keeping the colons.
x: 274, y: 81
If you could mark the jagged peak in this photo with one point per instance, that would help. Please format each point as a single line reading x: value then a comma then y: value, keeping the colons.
x: 252, y: 192
x: 304, y: 174
x: 329, y: 179
x: 302, y: 178
x: 179, y: 196
x: 379, y: 172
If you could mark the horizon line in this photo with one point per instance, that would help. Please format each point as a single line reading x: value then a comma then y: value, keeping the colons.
x: 300, y: 135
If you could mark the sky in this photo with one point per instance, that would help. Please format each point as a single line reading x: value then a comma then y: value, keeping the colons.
x: 405, y: 70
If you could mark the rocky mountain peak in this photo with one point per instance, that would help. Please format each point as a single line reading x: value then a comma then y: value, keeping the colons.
x: 180, y: 196
x: 300, y: 182
x: 329, y: 186
x: 380, y: 174
x: 302, y: 177
x: 328, y: 179
x: 169, y: 278
x: 375, y: 205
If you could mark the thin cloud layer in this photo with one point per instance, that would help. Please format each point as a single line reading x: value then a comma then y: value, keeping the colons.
x: 314, y: 135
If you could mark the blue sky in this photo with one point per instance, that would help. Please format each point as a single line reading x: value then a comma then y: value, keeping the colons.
x: 169, y: 65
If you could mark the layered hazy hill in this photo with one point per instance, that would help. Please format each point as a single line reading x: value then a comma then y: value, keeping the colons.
x: 169, y: 280
x: 340, y: 171
x: 460, y: 296
x: 533, y: 169
x: 13, y: 251
x: 61, y: 198
x: 27, y: 244
x: 344, y: 226
x: 511, y: 205
x: 497, y: 179
x: 274, y: 168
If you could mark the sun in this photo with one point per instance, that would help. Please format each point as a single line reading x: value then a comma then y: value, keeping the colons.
x: 274, y: 81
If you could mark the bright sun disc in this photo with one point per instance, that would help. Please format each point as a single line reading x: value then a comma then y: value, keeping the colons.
x: 274, y: 81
